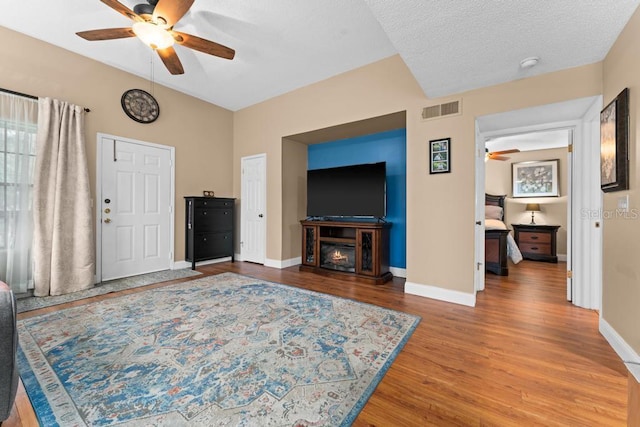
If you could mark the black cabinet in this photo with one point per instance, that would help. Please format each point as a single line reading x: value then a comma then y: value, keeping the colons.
x: 208, y: 228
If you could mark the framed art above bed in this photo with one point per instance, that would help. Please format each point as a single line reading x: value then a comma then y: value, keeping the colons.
x: 535, y: 179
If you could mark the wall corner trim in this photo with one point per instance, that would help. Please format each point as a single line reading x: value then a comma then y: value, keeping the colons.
x: 398, y: 272
x: 440, y: 294
x: 619, y: 345
x: 285, y: 263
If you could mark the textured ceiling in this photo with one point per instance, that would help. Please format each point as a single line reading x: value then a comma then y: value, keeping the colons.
x: 282, y: 45
x: 453, y: 46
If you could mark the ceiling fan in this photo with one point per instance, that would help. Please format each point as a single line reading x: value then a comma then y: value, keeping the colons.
x: 498, y: 155
x: 153, y: 24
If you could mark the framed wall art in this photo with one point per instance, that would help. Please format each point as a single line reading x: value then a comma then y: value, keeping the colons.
x: 614, y: 144
x: 535, y: 179
x: 440, y: 155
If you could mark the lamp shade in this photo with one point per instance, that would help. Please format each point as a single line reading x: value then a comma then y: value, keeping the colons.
x: 532, y: 207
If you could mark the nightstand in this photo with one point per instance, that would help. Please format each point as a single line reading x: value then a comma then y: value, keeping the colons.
x: 536, y: 242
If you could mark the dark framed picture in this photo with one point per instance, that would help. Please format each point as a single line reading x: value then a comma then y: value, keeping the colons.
x: 535, y: 179
x: 614, y: 144
x: 440, y: 155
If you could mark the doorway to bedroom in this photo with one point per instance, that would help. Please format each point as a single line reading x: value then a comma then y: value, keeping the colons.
x: 566, y: 136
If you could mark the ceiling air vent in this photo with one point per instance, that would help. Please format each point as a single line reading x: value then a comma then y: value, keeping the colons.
x: 441, y: 110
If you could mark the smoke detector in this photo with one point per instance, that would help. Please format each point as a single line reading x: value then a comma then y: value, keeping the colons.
x: 529, y: 62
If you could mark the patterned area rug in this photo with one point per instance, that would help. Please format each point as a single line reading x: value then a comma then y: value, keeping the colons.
x: 29, y: 303
x: 225, y: 350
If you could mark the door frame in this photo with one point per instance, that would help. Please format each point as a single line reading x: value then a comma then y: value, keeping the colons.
x: 242, y: 206
x: 572, y: 126
x: 98, y: 211
x: 578, y: 137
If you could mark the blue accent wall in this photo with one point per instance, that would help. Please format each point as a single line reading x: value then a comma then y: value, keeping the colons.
x: 390, y: 147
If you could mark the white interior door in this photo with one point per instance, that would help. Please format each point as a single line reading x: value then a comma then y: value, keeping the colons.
x: 479, y: 269
x: 585, y: 287
x: 253, y: 208
x: 136, y: 208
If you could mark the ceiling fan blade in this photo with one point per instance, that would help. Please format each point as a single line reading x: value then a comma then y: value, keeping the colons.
x: 107, y: 34
x: 170, y: 11
x: 513, y: 150
x: 171, y: 60
x: 202, y: 45
x: 119, y: 7
x: 501, y: 158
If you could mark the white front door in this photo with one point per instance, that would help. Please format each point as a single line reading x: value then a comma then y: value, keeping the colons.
x: 136, y: 208
x: 253, y: 208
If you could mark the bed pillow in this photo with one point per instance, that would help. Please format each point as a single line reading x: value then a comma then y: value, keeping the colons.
x: 494, y: 224
x: 492, y: 212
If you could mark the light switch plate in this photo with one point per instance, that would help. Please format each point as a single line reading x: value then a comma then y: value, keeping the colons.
x: 623, y: 203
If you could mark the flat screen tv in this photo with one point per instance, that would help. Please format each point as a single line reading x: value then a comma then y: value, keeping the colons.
x: 347, y: 191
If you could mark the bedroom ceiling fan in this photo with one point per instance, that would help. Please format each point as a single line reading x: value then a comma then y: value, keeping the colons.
x: 498, y: 155
x: 153, y: 24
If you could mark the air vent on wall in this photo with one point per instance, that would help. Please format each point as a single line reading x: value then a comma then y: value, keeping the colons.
x: 441, y: 110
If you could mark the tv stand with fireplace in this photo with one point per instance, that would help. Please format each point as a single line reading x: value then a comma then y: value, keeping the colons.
x: 359, y: 249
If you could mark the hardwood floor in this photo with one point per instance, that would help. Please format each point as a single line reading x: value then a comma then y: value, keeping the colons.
x: 523, y: 356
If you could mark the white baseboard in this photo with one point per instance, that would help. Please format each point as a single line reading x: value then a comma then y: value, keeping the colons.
x: 562, y: 257
x: 440, y: 294
x: 398, y: 272
x: 177, y: 265
x: 619, y: 345
x: 285, y: 263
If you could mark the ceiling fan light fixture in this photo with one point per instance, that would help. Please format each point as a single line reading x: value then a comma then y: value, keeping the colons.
x: 153, y: 35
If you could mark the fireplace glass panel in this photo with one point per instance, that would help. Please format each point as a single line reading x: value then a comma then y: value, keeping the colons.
x: 366, y: 251
x: 338, y: 256
x: 310, y: 242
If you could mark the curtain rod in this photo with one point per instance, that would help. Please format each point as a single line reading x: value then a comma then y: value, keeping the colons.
x: 13, y: 92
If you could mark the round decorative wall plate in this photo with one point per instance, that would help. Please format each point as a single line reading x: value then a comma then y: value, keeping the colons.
x: 140, y: 106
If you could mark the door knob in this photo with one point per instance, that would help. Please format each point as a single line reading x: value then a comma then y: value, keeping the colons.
x: 478, y: 222
x: 107, y: 210
x: 108, y: 220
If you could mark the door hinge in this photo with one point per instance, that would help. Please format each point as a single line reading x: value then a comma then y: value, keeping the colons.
x: 478, y: 264
x: 570, y: 148
x: 569, y: 274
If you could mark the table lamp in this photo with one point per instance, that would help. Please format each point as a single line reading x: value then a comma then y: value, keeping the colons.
x: 533, y: 207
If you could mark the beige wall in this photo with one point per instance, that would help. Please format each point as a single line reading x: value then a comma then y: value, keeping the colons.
x: 294, y: 193
x: 369, y: 92
x: 553, y: 209
x: 201, y: 132
x: 440, y: 208
x: 621, y: 237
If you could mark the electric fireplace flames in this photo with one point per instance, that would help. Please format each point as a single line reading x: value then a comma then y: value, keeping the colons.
x: 338, y: 256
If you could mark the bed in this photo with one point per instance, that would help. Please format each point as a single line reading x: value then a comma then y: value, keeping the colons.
x: 499, y: 245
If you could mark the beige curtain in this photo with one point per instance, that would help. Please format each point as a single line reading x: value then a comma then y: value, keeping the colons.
x: 64, y: 254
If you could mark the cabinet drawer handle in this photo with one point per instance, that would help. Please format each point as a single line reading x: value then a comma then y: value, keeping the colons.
x: 534, y: 248
x: 204, y: 239
x: 534, y: 237
x: 204, y: 213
